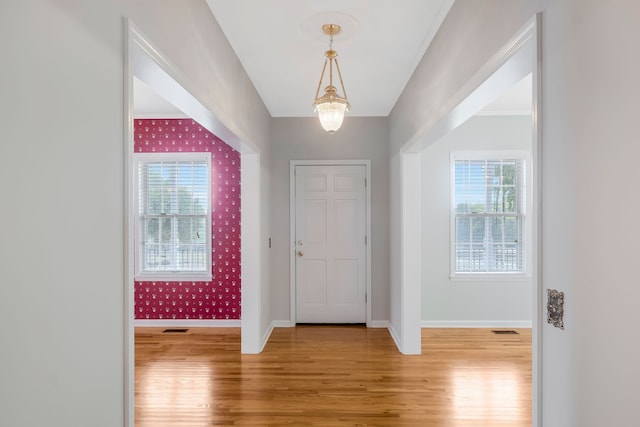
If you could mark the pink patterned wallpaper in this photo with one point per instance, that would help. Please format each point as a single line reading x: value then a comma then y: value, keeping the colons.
x: 220, y: 298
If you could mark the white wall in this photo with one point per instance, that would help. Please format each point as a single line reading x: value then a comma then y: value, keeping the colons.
x: 589, y: 179
x: 61, y: 186
x: 395, y: 245
x: 591, y: 143
x: 304, y: 139
x: 466, y: 303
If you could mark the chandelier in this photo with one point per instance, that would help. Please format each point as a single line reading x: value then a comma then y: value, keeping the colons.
x: 331, y: 106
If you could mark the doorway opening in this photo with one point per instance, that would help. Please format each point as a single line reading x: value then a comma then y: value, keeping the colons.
x: 518, y: 59
x: 147, y: 68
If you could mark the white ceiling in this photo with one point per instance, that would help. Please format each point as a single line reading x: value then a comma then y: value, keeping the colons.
x: 281, y: 46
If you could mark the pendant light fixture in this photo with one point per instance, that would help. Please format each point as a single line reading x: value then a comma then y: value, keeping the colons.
x: 331, y: 107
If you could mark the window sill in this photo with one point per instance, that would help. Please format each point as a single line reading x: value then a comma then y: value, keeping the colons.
x: 489, y: 277
x: 175, y: 277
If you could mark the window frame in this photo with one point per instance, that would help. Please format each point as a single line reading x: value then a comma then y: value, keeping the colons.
x: 526, y: 200
x: 166, y: 275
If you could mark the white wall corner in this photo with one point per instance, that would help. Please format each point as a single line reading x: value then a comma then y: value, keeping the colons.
x: 411, y: 254
x: 251, y: 257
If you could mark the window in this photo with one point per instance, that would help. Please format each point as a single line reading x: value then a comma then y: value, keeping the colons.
x: 489, y: 228
x: 173, y: 211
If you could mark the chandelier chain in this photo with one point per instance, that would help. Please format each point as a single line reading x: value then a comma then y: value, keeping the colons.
x: 344, y: 91
x: 324, y: 67
x: 331, y: 107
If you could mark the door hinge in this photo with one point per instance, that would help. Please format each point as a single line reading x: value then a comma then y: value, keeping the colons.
x: 365, y: 183
x: 365, y: 240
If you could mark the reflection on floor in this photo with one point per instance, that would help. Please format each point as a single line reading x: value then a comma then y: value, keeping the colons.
x: 332, y: 376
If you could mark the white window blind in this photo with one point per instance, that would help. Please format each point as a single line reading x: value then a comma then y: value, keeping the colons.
x: 488, y: 215
x: 173, y: 201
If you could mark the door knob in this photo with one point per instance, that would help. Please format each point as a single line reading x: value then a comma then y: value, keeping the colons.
x: 300, y: 253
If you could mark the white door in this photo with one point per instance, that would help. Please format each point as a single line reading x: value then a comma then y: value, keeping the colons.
x: 330, y: 245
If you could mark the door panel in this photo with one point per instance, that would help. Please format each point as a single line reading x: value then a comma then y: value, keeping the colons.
x: 346, y: 228
x: 315, y: 283
x: 345, y: 183
x: 330, y: 226
x: 346, y: 274
x: 316, y: 218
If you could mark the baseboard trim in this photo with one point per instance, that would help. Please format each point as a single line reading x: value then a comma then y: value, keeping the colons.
x: 187, y: 323
x: 476, y: 324
x: 282, y: 324
x: 395, y: 337
x: 373, y: 324
x: 379, y: 324
x: 236, y: 323
x: 265, y: 337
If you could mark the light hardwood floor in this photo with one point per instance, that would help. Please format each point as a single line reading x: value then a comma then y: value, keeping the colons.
x: 332, y: 376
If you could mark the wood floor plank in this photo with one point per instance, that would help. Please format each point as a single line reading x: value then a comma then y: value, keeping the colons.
x: 332, y: 376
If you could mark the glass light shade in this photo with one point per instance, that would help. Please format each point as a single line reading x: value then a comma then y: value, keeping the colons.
x: 331, y: 115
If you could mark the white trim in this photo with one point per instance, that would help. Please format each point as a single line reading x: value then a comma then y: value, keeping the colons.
x: 395, y: 337
x: 410, y: 253
x: 369, y: 182
x: 292, y: 226
x: 491, y: 155
x: 161, y: 116
x: 517, y: 324
x: 379, y: 324
x: 187, y: 323
x: 177, y: 276
x: 129, y: 233
x: 288, y: 324
x: 282, y: 324
x: 536, y: 225
x: 251, y: 254
x: 170, y: 276
x: 292, y: 238
x: 527, y: 214
x: 489, y: 277
x: 504, y: 113
x: 265, y: 337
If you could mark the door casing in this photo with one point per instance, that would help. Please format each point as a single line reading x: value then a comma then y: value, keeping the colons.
x: 292, y: 228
